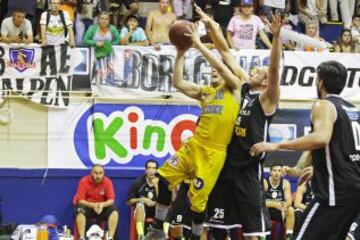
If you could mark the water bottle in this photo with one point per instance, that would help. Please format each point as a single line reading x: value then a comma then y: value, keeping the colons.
x: 42, y: 232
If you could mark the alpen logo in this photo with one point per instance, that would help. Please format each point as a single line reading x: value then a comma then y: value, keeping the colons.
x: 115, y: 137
x: 21, y: 59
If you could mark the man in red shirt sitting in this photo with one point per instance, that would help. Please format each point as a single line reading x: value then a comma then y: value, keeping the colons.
x: 95, y: 198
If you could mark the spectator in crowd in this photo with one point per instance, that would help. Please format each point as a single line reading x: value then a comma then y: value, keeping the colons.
x: 347, y: 8
x: 303, y: 197
x: 287, y: 44
x: 132, y: 7
x: 158, y: 24
x: 278, y: 199
x: 16, y: 29
x: 132, y: 34
x: 312, y: 11
x: 95, y: 198
x: 243, y: 29
x: 223, y: 11
x: 312, y: 30
x: 87, y: 14
x: 270, y: 6
x: 355, y: 30
x: 28, y: 7
x: 182, y: 8
x: 345, y: 43
x: 142, y: 196
x: 69, y: 6
x: 102, y: 36
x: 56, y: 26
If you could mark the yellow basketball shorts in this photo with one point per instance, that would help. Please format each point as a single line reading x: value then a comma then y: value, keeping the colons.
x: 199, y: 161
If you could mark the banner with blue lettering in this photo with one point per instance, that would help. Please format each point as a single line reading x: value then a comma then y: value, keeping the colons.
x: 133, y: 71
x: 126, y: 135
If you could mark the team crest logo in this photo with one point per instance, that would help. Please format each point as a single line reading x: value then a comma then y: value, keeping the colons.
x: 274, y: 195
x: 150, y: 195
x: 21, y: 59
x: 173, y: 161
x: 198, y: 183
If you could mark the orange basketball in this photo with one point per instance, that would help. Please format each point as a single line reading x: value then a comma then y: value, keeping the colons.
x: 177, y: 37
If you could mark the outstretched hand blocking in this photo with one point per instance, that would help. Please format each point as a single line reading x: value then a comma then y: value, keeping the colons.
x: 193, y: 34
x: 204, y: 17
x: 275, y: 25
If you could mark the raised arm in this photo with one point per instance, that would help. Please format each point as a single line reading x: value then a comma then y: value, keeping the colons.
x: 269, y: 98
x: 231, y: 80
x: 221, y: 45
x: 189, y: 89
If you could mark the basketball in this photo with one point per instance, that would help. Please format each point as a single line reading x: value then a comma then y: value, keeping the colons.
x: 177, y: 37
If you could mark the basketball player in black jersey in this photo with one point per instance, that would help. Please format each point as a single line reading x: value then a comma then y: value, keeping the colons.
x: 334, y: 143
x: 279, y: 200
x: 303, y: 197
x: 142, y: 196
x: 237, y: 197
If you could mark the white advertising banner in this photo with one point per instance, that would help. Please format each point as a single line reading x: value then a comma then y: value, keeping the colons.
x: 40, y: 74
x: 133, y: 72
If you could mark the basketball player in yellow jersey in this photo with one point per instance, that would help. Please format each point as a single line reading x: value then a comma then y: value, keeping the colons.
x: 202, y: 157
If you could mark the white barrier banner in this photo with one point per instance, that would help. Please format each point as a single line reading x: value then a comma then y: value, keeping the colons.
x: 40, y: 74
x: 133, y: 72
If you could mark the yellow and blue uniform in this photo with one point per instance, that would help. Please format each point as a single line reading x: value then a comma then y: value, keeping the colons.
x: 202, y: 157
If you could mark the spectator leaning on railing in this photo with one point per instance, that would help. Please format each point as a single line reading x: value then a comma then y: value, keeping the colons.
x: 102, y: 36
x: 132, y: 34
x: 56, y: 26
x: 16, y: 29
x: 345, y: 43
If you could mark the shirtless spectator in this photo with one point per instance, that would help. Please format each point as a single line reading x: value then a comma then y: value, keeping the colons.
x: 16, y: 29
x: 158, y: 24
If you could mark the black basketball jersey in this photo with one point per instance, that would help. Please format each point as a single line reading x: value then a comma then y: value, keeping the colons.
x: 308, y: 195
x: 275, y: 193
x: 251, y: 127
x: 336, y: 178
x: 141, y: 189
